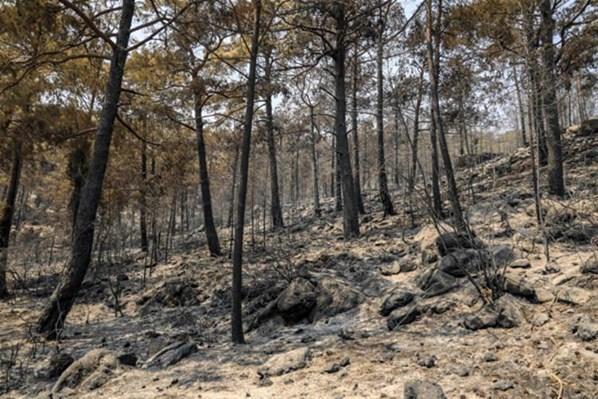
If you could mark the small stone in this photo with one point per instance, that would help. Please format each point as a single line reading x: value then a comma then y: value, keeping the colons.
x: 427, y: 361
x: 540, y: 319
x: 402, y: 316
x: 503, y: 385
x: 284, y: 363
x: 462, y: 371
x: 520, y: 264
x: 490, y: 357
x: 551, y: 268
x: 265, y: 382
x: 396, y: 299
x: 590, y: 266
x: 390, y: 270
x: 585, y: 328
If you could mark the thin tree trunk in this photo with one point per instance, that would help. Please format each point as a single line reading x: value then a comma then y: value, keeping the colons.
x: 414, y: 143
x: 358, y: 196
x: 385, y: 199
x: 520, y: 105
x: 314, y: 161
x: 204, y: 183
x: 53, y: 316
x: 143, y: 199
x: 7, y: 213
x: 436, y: 198
x: 236, y: 319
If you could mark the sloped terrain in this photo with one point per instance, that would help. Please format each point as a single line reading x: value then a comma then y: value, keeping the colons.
x: 399, y: 310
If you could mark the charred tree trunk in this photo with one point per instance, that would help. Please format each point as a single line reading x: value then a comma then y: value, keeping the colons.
x: 556, y: 183
x: 7, y: 213
x: 414, y: 143
x: 143, y: 199
x: 434, y: 65
x: 350, y: 214
x: 354, y: 122
x: 518, y: 87
x: 385, y: 199
x: 436, y: 198
x: 237, y: 317
x: 314, y: 161
x: 77, y: 171
x: 204, y: 183
x: 52, y: 318
x: 275, y: 207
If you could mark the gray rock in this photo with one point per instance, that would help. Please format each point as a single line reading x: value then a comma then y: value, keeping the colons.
x: 585, y: 328
x: 128, y: 359
x: 297, y: 300
x: 519, y: 286
x: 461, y: 371
x: 334, y: 297
x: 520, y: 264
x: 503, y: 385
x: 391, y: 269
x: 459, y: 263
x: 170, y: 355
x: 396, y: 299
x: 336, y: 367
x: 421, y: 389
x: 490, y: 357
x: 427, y: 361
x: 574, y: 295
x: 284, y: 363
x: 590, y: 266
x: 540, y: 319
x: 449, y: 242
x: 505, y: 315
x: 502, y: 255
x: 403, y: 316
x: 435, y: 282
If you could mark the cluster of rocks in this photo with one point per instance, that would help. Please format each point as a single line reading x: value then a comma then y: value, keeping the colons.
x: 304, y: 299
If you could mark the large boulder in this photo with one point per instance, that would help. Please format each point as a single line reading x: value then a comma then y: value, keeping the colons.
x: 334, y: 297
x: 449, y: 242
x: 461, y: 262
x: 91, y: 371
x: 397, y: 298
x: 297, y: 300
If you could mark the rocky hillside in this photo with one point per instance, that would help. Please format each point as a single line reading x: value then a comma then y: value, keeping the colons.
x: 405, y: 311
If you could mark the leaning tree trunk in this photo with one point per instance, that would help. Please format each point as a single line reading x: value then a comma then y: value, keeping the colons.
x: 77, y: 170
x: 204, y: 183
x: 354, y: 122
x: 556, y: 183
x: 350, y: 214
x: 52, y: 318
x: 434, y: 65
x: 7, y: 213
x: 385, y: 199
x: 314, y: 161
x: 275, y: 208
x: 237, y: 318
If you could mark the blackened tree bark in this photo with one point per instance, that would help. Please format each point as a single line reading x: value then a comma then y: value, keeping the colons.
x: 204, y: 178
x: 556, y: 183
x: 414, y: 142
x: 53, y: 316
x: 434, y: 37
x: 436, y: 198
x: 237, y: 317
x: 350, y: 214
x: 7, y: 213
x: 77, y: 171
x: 275, y: 208
x: 385, y: 199
x: 143, y: 199
x: 314, y: 161
x: 355, y: 126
